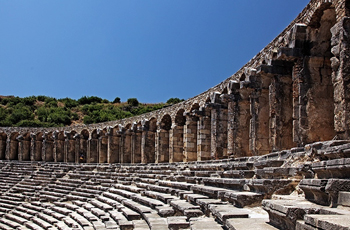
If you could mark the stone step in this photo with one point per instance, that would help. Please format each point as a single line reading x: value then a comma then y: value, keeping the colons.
x: 324, y: 222
x: 344, y: 198
x: 248, y: 224
x: 204, y: 224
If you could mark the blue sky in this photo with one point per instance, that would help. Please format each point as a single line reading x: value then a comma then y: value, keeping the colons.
x: 152, y: 50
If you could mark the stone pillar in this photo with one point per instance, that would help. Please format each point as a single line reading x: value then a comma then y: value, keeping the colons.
x: 340, y: 77
x: 176, y: 145
x: 113, y: 147
x: 58, y: 149
x: 26, y: 148
x: 77, y: 143
x: 93, y: 150
x: 136, y: 146
x: 32, y: 146
x: 43, y: 151
x: 21, y: 147
x: 147, y: 145
x: 69, y: 147
x: 241, y: 131
x: 228, y: 99
x: 190, y: 138
x: 102, y: 147
x: 259, y: 122
x: 65, y: 148
x: 126, y: 154
x: 8, y: 148
x: 162, y: 145
x: 218, y: 127
x: 204, y: 134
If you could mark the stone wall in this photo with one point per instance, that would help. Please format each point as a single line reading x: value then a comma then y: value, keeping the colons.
x: 293, y: 92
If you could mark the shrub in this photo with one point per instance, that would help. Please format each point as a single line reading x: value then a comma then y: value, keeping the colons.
x: 174, y: 100
x: 21, y: 113
x: 116, y: 100
x: 88, y: 120
x: 133, y: 102
x: 88, y: 100
x: 30, y: 101
x: 69, y: 103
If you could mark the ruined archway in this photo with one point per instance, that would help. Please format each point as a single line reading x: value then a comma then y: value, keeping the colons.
x: 162, y: 139
x: 3, y: 138
x: 102, y: 145
x: 176, y: 137
x: 93, y: 147
x: 13, y: 146
x: 190, y: 134
x: 315, y: 100
x: 83, y: 146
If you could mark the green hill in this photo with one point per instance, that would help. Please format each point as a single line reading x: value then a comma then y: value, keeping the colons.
x: 43, y: 111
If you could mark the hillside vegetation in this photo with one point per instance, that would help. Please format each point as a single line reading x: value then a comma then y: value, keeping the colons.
x: 43, y: 111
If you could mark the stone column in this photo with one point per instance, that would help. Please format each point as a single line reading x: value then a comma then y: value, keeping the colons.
x: 93, y: 152
x: 113, y: 147
x: 228, y: 99
x: 259, y: 123
x: 148, y: 146
x: 144, y: 147
x: 102, y: 147
x: 43, y: 151
x: 242, y: 122
x: 190, y: 138
x: 126, y: 156
x: 65, y: 147
x: 70, y: 144
x: 136, y: 145
x: 8, y: 148
x: 21, y: 147
x: 176, y: 149
x: 32, y: 146
x: 162, y: 145
x: 77, y: 143
x: 58, y: 149
x: 218, y: 127
x: 204, y: 134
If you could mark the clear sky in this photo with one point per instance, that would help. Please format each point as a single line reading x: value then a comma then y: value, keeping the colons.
x: 149, y: 49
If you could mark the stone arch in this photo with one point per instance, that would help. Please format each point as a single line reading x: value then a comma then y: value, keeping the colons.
x: 242, y: 77
x: 316, y: 118
x: 176, y: 137
x: 149, y: 140
x: 3, y: 139
x: 93, y: 147
x: 83, y: 146
x: 25, y: 146
x: 70, y: 146
x: 13, y: 146
x: 162, y: 139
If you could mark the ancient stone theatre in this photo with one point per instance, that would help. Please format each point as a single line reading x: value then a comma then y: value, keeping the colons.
x: 268, y: 148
